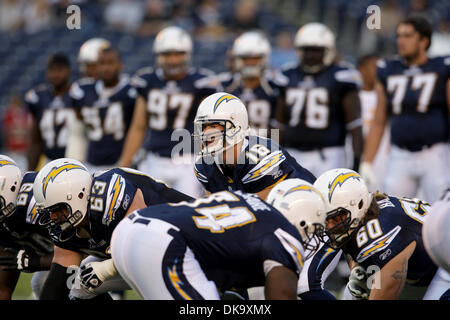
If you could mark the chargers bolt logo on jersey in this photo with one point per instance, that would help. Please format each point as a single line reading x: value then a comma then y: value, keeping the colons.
x: 56, y: 171
x: 339, y: 180
x: 225, y: 98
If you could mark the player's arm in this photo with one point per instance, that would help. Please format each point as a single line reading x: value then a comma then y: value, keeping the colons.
x: 281, y: 284
x: 352, y: 114
x: 8, y: 279
x: 34, y: 151
x: 77, y: 141
x: 377, y: 127
x: 393, y: 275
x: 136, y: 133
x: 137, y: 203
x: 56, y: 286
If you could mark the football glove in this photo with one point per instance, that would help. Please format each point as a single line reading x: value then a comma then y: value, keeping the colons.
x: 367, y: 173
x: 21, y: 261
x: 93, y: 274
x: 357, y: 284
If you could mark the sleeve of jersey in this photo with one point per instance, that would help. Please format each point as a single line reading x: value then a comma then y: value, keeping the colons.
x: 141, y: 84
x: 281, y: 249
x: 381, y: 71
x: 76, y: 94
x: 384, y: 248
x: 267, y: 172
x: 349, y: 80
x: 120, y: 195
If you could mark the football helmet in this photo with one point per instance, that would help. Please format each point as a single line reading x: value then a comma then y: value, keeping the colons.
x: 347, y: 199
x: 252, y: 44
x: 62, y: 190
x: 304, y: 207
x: 315, y: 36
x: 172, y: 39
x: 89, y: 52
x: 10, y: 180
x: 223, y: 109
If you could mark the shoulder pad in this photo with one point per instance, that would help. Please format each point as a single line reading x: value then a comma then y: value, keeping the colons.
x: 277, y: 77
x: 205, y: 72
x: 75, y: 91
x: 289, y: 65
x: 381, y: 63
x: 348, y: 75
x: 212, y: 81
x: 447, y: 61
x: 31, y: 96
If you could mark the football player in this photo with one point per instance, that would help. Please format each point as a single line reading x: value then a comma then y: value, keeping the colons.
x: 321, y: 104
x: 252, y: 81
x: 415, y: 98
x: 88, y: 57
x: 304, y: 207
x: 380, y: 232
x: 25, y: 247
x: 106, y: 107
x: 165, y: 107
x: 191, y: 250
x: 230, y: 158
x: 81, y: 212
x: 50, y: 106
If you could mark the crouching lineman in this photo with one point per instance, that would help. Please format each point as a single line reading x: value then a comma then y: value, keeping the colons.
x: 231, y: 159
x: 24, y: 246
x: 81, y: 213
x: 380, y: 231
x: 304, y: 207
x: 191, y: 250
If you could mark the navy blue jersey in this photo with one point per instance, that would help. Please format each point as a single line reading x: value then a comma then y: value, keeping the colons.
x: 20, y: 230
x: 262, y: 164
x: 107, y: 113
x: 416, y: 101
x: 379, y: 240
x: 112, y: 193
x: 313, y: 107
x: 261, y: 102
x: 234, y: 236
x: 53, y: 114
x: 171, y: 105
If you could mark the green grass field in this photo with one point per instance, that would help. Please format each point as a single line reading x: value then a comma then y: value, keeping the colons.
x: 23, y: 289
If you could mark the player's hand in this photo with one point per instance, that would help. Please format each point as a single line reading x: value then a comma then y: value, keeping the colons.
x: 367, y: 173
x: 357, y: 284
x: 93, y: 274
x: 90, y: 277
x: 21, y: 261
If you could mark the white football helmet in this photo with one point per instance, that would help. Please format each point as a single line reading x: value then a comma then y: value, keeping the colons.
x: 226, y: 110
x: 304, y: 207
x: 62, y: 184
x: 10, y: 180
x: 251, y: 44
x: 89, y: 53
x: 347, y: 199
x: 319, y: 36
x: 172, y: 39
